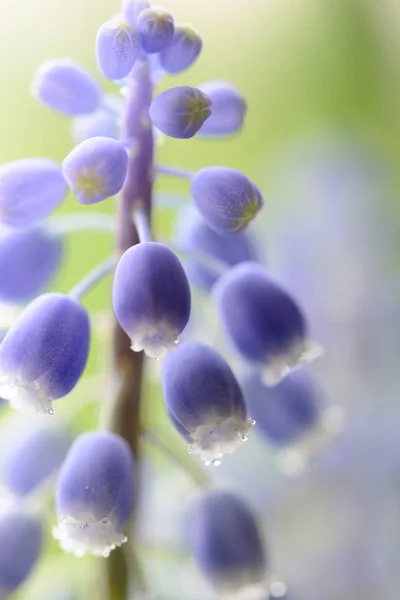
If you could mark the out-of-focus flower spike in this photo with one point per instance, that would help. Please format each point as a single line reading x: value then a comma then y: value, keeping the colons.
x: 294, y: 417
x: 180, y: 112
x: 183, y: 50
x: 263, y: 321
x: 21, y: 541
x: 228, y: 109
x: 131, y: 9
x: 151, y: 297
x: 226, y: 199
x: 156, y: 29
x: 30, y: 189
x: 96, y: 169
x: 201, y: 394
x: 30, y: 460
x: 197, y: 237
x: 29, y: 260
x: 94, y: 494
x: 44, y: 353
x: 226, y: 543
x: 66, y: 87
x: 117, y: 48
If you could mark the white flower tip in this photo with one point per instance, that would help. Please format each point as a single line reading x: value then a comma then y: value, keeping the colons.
x: 154, y: 339
x: 82, y: 536
x: 25, y: 396
x: 213, y: 440
x: 250, y: 587
x: 300, y: 353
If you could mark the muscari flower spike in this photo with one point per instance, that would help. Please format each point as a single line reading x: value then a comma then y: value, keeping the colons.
x: 94, y: 495
x: 36, y: 256
x: 66, y: 87
x: 204, y: 401
x: 183, y: 50
x: 263, y: 322
x: 180, y: 111
x: 96, y: 169
x: 151, y: 297
x: 21, y: 542
x: 226, y: 199
x: 156, y: 29
x: 131, y: 9
x: 30, y: 189
x: 44, y: 353
x: 30, y: 460
x: 117, y: 48
x: 227, y: 546
x: 228, y: 109
x: 197, y: 237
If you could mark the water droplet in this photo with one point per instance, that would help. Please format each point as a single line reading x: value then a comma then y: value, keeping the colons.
x: 104, y: 521
x: 252, y: 421
x: 216, y: 463
x: 51, y: 411
x: 243, y: 437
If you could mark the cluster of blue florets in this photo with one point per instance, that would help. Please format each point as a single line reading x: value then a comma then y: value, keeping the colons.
x: 44, y: 353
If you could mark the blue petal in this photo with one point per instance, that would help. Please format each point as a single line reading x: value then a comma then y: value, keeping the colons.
x: 21, y: 540
x: 261, y: 318
x: 44, y: 353
x: 66, y: 87
x: 96, y: 169
x: 95, y: 493
x: 30, y: 189
x: 33, y: 458
x: 29, y: 260
x: 226, y: 199
x: 285, y: 412
x: 151, y: 297
x: 117, y: 49
x: 156, y: 29
x: 180, y: 112
x: 184, y: 49
x: 227, y: 545
x: 228, y: 109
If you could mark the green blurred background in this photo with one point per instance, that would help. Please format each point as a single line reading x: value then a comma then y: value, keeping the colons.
x: 306, y: 67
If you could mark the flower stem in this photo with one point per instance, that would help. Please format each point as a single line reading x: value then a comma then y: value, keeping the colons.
x: 92, y: 278
x: 128, y: 365
x: 174, y: 172
x: 141, y: 221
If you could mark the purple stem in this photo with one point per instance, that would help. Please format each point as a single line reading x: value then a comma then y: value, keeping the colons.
x: 128, y: 365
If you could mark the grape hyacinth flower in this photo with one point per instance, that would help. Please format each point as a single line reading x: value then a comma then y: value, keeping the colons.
x: 44, y: 353
x: 180, y: 54
x: 21, y: 541
x: 95, y: 493
x: 156, y: 29
x: 263, y: 322
x: 36, y: 257
x: 196, y: 236
x: 180, y: 112
x: 227, y: 546
x: 66, y: 87
x: 29, y: 461
x: 204, y: 401
x: 294, y: 416
x: 226, y: 199
x: 30, y: 189
x: 151, y: 297
x: 228, y: 109
x: 117, y: 48
x: 96, y: 169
